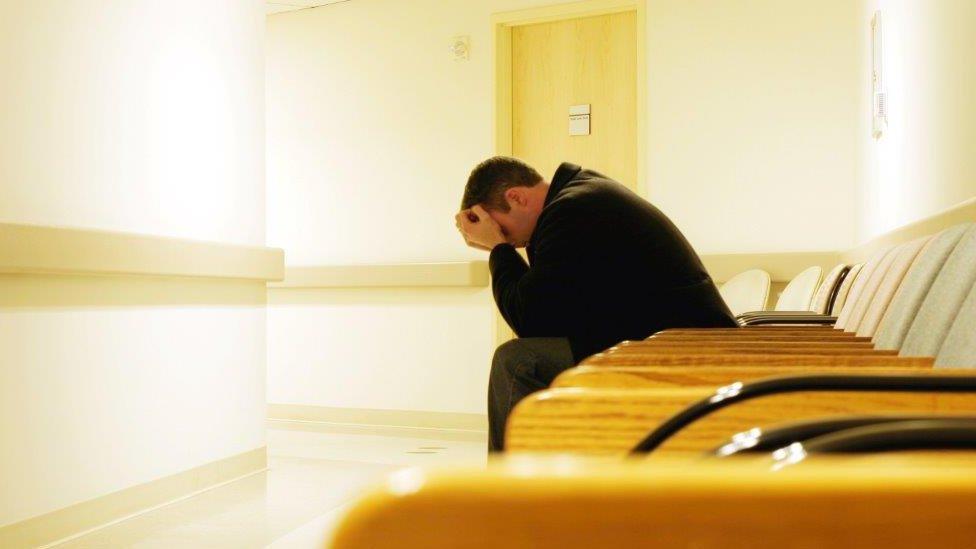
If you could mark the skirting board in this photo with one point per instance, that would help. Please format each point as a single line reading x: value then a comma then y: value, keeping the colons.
x: 88, y: 515
x: 404, y: 423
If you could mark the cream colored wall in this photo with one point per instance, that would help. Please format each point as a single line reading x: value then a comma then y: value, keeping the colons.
x: 924, y: 162
x: 148, y: 118
x: 380, y: 348
x: 751, y: 120
x: 142, y: 117
x: 373, y: 128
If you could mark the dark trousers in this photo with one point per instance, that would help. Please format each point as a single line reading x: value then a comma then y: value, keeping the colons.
x: 521, y: 367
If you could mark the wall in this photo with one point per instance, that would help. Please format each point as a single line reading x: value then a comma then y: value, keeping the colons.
x: 924, y: 162
x: 751, y: 120
x: 388, y: 348
x: 133, y: 116
x: 373, y: 128
x: 143, y: 117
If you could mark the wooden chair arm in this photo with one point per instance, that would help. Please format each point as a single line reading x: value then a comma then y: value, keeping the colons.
x: 612, y: 421
x: 782, y: 346
x: 896, y: 502
x: 671, y: 377
x: 746, y: 335
x: 750, y: 359
x: 821, y: 330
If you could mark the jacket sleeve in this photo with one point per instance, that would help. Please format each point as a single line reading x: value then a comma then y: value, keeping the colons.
x: 540, y: 300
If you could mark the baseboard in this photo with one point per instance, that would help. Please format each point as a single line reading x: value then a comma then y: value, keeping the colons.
x: 405, y: 423
x: 71, y: 521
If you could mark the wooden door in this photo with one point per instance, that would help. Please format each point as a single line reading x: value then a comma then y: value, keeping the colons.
x: 589, y: 60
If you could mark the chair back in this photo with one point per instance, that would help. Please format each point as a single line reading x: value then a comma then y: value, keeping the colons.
x: 799, y: 292
x: 861, y: 289
x: 943, y: 301
x: 915, y: 286
x: 959, y: 347
x: 845, y: 288
x: 828, y: 289
x: 889, y: 286
x: 746, y: 291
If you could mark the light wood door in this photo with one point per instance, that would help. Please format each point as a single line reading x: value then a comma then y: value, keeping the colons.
x: 589, y: 60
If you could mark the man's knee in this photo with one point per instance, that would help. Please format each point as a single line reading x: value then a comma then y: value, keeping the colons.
x: 509, y: 360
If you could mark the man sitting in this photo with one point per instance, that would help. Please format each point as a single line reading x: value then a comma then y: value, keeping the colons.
x: 604, y: 266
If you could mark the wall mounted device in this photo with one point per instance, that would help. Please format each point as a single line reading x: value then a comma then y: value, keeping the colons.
x: 579, y: 119
x: 879, y: 96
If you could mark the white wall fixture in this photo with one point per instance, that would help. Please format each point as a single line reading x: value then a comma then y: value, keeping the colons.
x: 879, y: 97
x: 461, y: 48
x: 579, y: 119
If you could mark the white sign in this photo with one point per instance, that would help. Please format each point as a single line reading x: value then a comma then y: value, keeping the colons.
x: 579, y: 119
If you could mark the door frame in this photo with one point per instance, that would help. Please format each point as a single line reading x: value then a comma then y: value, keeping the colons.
x: 502, y: 24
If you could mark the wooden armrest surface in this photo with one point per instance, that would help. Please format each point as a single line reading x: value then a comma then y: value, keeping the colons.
x: 756, y: 329
x: 895, y: 502
x: 703, y: 376
x: 777, y: 346
x: 749, y: 359
x: 612, y: 421
x: 748, y: 336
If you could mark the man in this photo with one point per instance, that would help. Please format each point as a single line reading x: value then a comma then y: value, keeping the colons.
x: 604, y: 266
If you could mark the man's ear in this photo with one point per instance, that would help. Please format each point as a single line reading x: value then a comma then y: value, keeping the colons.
x: 517, y: 195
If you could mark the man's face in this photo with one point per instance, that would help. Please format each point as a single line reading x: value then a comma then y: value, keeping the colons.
x: 519, y: 221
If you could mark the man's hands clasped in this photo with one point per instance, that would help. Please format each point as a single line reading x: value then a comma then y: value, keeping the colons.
x: 478, y: 229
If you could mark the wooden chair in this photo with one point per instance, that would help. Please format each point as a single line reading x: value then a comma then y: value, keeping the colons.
x: 891, y: 501
x: 908, y: 279
x: 604, y: 411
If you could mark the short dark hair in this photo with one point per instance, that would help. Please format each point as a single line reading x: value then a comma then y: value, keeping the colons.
x: 490, y: 179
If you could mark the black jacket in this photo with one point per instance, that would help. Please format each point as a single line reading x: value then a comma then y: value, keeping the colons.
x: 606, y: 266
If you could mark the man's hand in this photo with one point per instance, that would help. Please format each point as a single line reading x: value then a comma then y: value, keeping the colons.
x: 479, y: 229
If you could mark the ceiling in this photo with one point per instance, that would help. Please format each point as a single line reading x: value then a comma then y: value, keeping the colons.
x: 279, y: 6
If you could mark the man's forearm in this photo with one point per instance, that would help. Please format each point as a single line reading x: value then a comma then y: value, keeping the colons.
x: 507, y: 268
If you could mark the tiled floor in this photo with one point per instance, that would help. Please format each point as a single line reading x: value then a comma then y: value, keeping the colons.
x: 313, y: 474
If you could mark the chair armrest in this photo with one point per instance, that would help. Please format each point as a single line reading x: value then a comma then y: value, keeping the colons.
x: 649, y: 345
x: 704, y: 376
x: 749, y: 359
x: 614, y: 421
x: 752, y: 335
x: 748, y: 314
x: 784, y: 320
x: 881, y: 501
x: 741, y: 393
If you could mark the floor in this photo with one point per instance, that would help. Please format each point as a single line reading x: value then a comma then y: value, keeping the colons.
x: 313, y: 473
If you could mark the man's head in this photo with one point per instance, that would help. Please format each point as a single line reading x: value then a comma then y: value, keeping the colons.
x: 512, y: 193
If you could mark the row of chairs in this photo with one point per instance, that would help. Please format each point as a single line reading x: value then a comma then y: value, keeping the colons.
x: 774, y: 433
